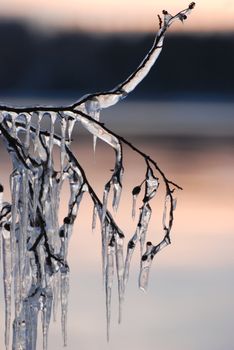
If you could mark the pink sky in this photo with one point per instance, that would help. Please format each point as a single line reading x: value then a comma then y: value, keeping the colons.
x: 121, y: 15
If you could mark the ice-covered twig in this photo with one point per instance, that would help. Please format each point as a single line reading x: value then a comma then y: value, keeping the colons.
x: 35, y: 245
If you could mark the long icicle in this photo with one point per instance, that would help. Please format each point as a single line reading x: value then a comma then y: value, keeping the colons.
x: 38, y: 243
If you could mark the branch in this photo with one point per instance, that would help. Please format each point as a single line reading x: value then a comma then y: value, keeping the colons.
x: 97, y: 101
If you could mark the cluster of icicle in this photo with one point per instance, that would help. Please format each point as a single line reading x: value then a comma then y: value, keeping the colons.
x: 34, y: 245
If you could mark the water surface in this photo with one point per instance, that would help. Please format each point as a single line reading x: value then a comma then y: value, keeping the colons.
x: 189, y: 303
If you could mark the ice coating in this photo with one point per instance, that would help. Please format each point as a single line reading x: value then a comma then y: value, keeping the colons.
x: 94, y: 219
x: 7, y: 277
x: 109, y: 279
x: 120, y: 271
x: 35, y: 246
x: 151, y: 186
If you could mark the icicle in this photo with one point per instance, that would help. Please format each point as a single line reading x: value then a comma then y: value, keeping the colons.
x: 117, y: 188
x: 1, y: 204
x: 23, y: 228
x: 1, y: 196
x: 35, y: 184
x: 105, y: 200
x: 96, y: 116
x: 144, y: 223
x: 94, y: 220
x: 41, y: 261
x: 38, y: 127
x: 174, y: 203
x: 13, y: 119
x: 19, y: 333
x: 135, y: 193
x: 144, y: 274
x: 146, y: 262
x: 1, y: 241
x: 51, y: 139
x: 120, y: 272
x: 17, y: 291
x: 109, y: 282
x: 46, y: 315
x: 7, y: 280
x: 71, y: 123
x: 15, y: 188
x: 62, y: 147
x: 64, y: 290
x: 27, y: 128
x: 134, y: 198
x: 131, y: 246
x: 165, y: 211
x: 56, y: 296
x: 139, y: 234
x: 93, y: 110
x: 105, y: 235
x: 31, y: 306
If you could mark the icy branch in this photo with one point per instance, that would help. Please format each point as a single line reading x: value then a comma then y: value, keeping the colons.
x: 34, y: 245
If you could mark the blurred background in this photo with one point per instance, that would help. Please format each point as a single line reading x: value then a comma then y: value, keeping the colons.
x: 182, y: 115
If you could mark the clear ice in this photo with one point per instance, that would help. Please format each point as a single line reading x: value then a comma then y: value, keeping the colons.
x: 34, y: 245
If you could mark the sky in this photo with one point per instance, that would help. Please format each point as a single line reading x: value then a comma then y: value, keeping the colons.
x: 121, y: 15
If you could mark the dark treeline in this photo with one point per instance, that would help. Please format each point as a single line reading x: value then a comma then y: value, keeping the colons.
x: 35, y: 63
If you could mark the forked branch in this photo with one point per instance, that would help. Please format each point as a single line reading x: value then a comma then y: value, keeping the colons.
x: 35, y: 245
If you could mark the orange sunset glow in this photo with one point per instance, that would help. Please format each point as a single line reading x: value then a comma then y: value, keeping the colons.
x: 103, y: 15
x: 111, y: 151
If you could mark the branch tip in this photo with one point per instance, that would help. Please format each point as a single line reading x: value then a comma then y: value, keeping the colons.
x: 192, y: 5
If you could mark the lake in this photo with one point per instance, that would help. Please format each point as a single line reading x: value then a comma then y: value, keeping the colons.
x: 189, y: 303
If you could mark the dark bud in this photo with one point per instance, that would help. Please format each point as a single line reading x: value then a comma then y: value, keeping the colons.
x: 182, y: 17
x: 7, y: 227
x: 112, y: 242
x: 75, y: 177
x: 48, y: 262
x: 67, y: 220
x: 149, y: 243
x: 136, y: 190
x: 107, y: 186
x: 131, y: 245
x: 61, y: 233
x: 121, y: 235
x: 165, y: 12
x: 144, y: 258
x: 1, y: 188
x: 192, y: 5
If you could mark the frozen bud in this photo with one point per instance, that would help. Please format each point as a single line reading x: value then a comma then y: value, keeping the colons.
x: 192, y: 5
x: 7, y: 226
x: 131, y: 244
x: 144, y: 257
x: 136, y: 190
